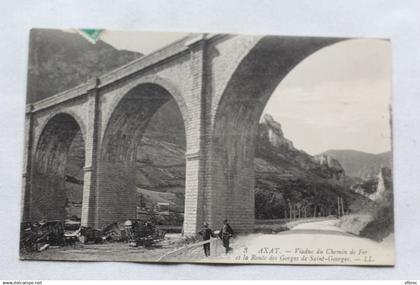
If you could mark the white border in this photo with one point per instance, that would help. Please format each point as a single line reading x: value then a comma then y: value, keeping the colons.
x: 398, y: 20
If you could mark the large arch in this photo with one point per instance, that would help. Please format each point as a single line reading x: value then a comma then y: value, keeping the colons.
x: 59, y: 159
x: 127, y: 124
x: 235, y: 123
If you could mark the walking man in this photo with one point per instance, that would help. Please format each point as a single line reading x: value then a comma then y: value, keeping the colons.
x: 225, y: 234
x: 206, y: 233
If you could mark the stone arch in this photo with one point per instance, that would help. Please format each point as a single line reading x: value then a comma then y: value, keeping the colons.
x: 60, y: 141
x: 165, y: 83
x: 235, y: 122
x: 50, y: 116
x: 122, y: 135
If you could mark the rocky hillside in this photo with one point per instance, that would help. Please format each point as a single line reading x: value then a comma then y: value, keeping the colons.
x: 361, y: 164
x: 274, y: 148
x: 160, y: 171
x: 60, y: 60
x: 374, y: 218
x: 290, y: 178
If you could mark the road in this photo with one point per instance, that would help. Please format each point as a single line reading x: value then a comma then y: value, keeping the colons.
x: 303, y: 245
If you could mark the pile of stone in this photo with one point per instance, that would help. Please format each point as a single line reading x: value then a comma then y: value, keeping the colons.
x: 41, y: 235
x: 45, y: 234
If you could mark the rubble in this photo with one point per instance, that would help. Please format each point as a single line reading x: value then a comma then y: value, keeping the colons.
x: 89, y: 234
x: 71, y: 225
x: 39, y: 236
x: 49, y: 234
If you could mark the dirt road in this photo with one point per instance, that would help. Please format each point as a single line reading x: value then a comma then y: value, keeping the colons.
x: 116, y: 251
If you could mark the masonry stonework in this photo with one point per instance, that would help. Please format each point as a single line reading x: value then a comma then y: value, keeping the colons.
x: 220, y: 83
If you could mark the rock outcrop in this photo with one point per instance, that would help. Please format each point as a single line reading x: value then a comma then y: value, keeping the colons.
x: 271, y: 131
x: 377, y: 188
x: 383, y: 191
x: 272, y: 144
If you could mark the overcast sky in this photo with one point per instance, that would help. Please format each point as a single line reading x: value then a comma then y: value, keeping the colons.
x: 337, y: 98
x: 144, y: 42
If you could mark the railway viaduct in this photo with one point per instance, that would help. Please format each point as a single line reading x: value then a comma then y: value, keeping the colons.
x: 220, y: 83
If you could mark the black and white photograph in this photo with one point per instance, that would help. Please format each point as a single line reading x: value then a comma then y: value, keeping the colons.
x: 207, y: 148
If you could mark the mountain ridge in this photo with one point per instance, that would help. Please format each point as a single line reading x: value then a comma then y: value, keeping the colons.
x: 61, y: 60
x: 361, y: 164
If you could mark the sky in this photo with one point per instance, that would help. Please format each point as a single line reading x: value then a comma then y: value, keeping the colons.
x: 337, y: 98
x: 144, y: 42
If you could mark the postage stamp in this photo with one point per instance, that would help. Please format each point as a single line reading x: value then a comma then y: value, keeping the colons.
x: 207, y: 148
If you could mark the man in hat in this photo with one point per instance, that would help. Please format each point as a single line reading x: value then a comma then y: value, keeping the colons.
x: 206, y: 233
x: 225, y: 234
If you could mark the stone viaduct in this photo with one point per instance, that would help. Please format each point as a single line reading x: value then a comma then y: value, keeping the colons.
x: 221, y: 84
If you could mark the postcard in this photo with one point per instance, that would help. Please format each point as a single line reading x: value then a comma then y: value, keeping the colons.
x: 207, y: 148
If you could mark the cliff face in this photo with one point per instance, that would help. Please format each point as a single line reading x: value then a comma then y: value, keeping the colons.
x: 273, y: 146
x: 374, y: 218
x: 271, y: 132
x: 378, y: 188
